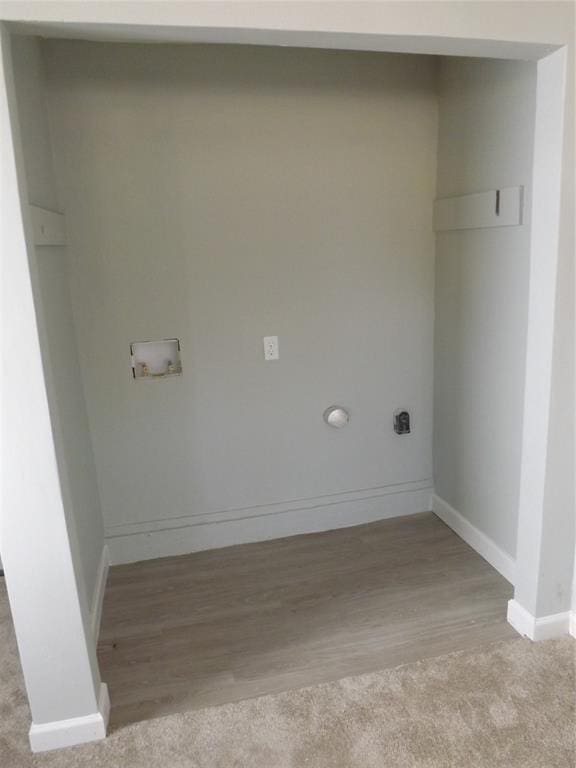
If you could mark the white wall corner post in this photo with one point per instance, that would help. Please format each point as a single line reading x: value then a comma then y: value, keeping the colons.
x: 545, y: 549
x: 68, y: 702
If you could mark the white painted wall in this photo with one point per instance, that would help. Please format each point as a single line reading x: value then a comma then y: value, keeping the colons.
x: 39, y: 553
x: 486, y: 127
x: 219, y: 195
x: 54, y: 313
x: 509, y: 28
x: 546, y: 522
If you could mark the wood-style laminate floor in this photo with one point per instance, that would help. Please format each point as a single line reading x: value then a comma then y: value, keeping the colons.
x: 219, y: 626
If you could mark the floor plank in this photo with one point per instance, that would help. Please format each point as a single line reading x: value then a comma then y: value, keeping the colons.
x: 185, y: 632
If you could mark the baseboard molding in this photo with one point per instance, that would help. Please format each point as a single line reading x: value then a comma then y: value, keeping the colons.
x: 543, y: 628
x: 485, y: 547
x: 163, y: 538
x: 99, y: 589
x: 572, y: 627
x: 76, y: 730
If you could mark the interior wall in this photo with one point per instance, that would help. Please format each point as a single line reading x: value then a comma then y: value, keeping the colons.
x: 486, y: 124
x: 58, y: 341
x: 219, y: 195
x: 558, y: 538
x: 40, y: 552
x: 541, y: 23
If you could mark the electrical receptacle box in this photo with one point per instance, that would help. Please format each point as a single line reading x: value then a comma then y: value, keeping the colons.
x: 402, y: 422
x: 271, y: 351
x: 156, y: 359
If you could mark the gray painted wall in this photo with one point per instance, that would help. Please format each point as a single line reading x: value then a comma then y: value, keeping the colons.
x: 54, y: 311
x: 486, y: 119
x: 219, y: 195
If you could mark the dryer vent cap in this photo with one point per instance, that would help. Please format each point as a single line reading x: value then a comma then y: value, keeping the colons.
x: 336, y: 416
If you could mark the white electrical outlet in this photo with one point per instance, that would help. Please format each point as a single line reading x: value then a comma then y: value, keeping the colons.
x: 271, y: 348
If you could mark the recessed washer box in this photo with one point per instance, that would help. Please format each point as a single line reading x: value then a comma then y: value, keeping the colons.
x: 153, y: 360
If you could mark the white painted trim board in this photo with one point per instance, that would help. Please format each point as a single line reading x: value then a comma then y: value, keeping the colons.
x: 76, y: 730
x: 99, y: 590
x: 488, y: 549
x: 194, y: 533
x: 356, y: 497
x: 543, y: 628
x: 496, y: 208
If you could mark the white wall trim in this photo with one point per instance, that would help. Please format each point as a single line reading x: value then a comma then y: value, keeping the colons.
x: 572, y: 623
x: 76, y: 730
x: 543, y: 628
x: 99, y: 590
x: 264, y: 510
x: 144, y: 541
x: 496, y: 208
x: 488, y: 549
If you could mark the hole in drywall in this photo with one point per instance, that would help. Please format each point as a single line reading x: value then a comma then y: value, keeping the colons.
x: 156, y: 359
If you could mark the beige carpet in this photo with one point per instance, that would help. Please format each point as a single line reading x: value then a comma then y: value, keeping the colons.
x: 507, y: 706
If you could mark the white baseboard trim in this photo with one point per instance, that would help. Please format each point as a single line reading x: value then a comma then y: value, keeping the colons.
x: 76, y: 730
x: 543, y: 628
x: 488, y: 549
x: 163, y: 538
x: 99, y: 590
x: 572, y: 627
